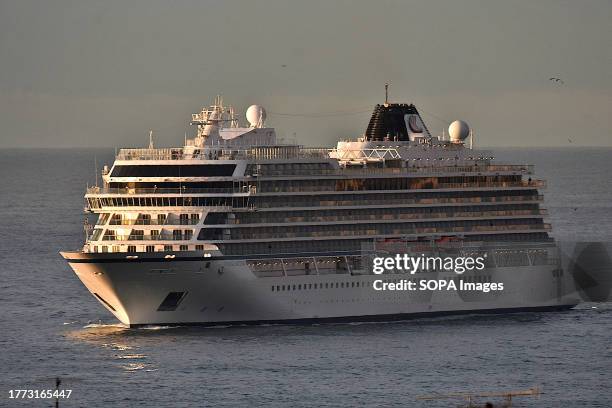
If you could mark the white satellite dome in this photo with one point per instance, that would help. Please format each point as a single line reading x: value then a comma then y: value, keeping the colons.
x: 458, y: 131
x: 256, y: 115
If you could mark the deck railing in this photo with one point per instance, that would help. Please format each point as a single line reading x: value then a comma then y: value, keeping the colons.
x: 225, y: 153
x: 134, y: 237
x: 167, y: 221
x: 275, y: 219
x: 422, y: 201
x: 433, y: 186
x: 522, y: 169
x: 406, y: 231
x: 131, y: 191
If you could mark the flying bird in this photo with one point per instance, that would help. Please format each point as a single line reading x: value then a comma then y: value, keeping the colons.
x: 556, y: 80
x: 284, y: 65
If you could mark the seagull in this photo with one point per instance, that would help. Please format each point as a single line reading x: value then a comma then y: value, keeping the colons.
x: 556, y: 80
x: 284, y: 66
x: 570, y: 140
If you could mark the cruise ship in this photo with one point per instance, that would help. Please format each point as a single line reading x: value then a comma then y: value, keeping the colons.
x: 237, y: 227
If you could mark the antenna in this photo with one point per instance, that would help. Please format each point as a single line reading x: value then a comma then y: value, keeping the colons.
x: 96, y: 168
x: 386, y: 93
x: 151, y: 139
x: 471, y: 139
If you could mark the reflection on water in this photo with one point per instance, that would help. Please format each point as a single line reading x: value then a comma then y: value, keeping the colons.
x: 116, y: 338
x: 94, y: 332
x: 158, y: 327
x: 133, y: 366
x: 132, y: 356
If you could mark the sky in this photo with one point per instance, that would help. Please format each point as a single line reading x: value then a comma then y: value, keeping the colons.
x: 103, y: 73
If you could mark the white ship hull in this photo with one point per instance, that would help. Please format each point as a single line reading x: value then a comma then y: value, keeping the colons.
x: 227, y: 292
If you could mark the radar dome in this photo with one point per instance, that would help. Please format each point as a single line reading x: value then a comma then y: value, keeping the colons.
x: 458, y: 131
x: 256, y: 115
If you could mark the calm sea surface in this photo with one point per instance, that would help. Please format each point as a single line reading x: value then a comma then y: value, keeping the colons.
x: 51, y: 326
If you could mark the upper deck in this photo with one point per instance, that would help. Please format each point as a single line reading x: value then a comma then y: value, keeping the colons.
x: 233, y: 161
x: 241, y: 189
x: 272, y: 152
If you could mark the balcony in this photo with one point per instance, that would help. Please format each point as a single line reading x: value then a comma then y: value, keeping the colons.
x: 138, y: 237
x: 167, y: 221
x: 390, y: 216
x: 400, y: 201
x: 94, y: 191
x: 329, y: 187
x: 432, y: 169
x: 398, y: 231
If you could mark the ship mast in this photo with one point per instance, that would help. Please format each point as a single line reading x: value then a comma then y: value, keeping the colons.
x: 386, y: 94
x: 210, y: 120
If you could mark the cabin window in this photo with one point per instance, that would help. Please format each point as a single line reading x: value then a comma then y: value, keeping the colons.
x: 97, y: 232
x: 144, y: 219
x: 171, y: 301
x: 173, y: 170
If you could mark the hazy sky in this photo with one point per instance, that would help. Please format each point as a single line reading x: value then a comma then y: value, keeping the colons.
x: 102, y: 73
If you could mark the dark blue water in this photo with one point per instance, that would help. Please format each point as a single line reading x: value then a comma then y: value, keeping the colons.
x: 50, y: 326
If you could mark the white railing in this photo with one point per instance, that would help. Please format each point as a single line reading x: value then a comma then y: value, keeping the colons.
x: 225, y: 153
x: 375, y: 154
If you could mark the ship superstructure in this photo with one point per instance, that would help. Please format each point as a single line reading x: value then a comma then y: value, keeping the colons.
x: 235, y: 227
